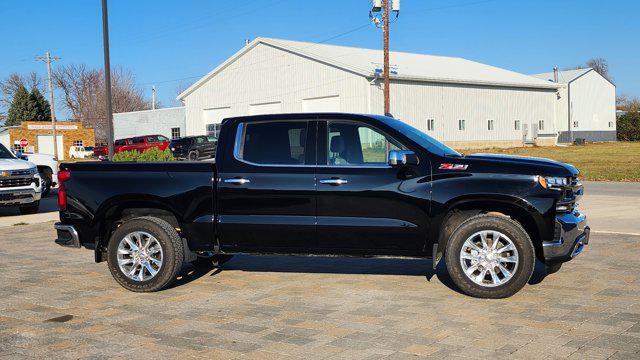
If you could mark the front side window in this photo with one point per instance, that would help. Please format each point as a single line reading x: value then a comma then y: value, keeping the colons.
x: 138, y: 140
x: 121, y: 142
x: 273, y: 143
x: 351, y: 143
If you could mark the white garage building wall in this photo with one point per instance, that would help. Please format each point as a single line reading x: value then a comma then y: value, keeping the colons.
x: 586, y: 105
x: 149, y: 122
x: 268, y: 79
x: 277, y: 76
x: 446, y: 104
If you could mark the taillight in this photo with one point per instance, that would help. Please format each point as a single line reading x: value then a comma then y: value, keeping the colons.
x: 63, y: 176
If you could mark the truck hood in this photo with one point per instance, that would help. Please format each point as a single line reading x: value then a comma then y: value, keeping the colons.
x: 15, y: 164
x: 521, y: 165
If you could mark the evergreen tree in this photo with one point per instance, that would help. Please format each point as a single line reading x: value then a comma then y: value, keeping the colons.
x: 42, y: 108
x: 21, y: 109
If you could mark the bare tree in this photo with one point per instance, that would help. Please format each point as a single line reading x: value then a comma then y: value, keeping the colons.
x: 601, y: 66
x: 84, y: 94
x: 11, y: 84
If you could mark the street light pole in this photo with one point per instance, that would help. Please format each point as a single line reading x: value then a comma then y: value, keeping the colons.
x: 107, y: 78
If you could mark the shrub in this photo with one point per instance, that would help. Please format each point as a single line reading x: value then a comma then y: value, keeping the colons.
x: 628, y: 126
x: 153, y: 154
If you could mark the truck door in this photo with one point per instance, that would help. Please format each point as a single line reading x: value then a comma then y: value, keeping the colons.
x: 266, y: 186
x: 365, y: 205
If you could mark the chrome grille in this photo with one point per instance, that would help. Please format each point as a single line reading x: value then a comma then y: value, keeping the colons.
x: 15, y: 182
x: 26, y: 172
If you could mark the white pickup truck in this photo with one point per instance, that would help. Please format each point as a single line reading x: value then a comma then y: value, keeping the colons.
x: 20, y: 183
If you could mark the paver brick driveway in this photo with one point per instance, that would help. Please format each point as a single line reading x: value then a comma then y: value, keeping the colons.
x: 58, y: 303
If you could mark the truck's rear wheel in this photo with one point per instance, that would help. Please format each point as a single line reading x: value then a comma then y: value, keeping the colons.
x: 145, y: 254
x: 490, y: 256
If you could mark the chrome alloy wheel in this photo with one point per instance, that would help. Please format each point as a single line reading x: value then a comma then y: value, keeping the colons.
x: 139, y: 256
x: 489, y: 258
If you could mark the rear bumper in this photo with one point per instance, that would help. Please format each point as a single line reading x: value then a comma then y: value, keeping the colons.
x: 571, y: 236
x: 67, y: 235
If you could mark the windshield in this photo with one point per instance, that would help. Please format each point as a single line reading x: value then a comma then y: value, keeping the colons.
x: 432, y: 145
x: 5, y: 153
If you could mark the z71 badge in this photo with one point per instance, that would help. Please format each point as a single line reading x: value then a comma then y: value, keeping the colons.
x: 453, y: 167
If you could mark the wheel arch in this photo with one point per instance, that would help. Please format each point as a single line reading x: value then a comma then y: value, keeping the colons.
x: 458, y: 210
x: 119, y: 211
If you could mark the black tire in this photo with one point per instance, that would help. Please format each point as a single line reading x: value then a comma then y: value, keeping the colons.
x: 172, y: 248
x: 193, y: 155
x: 30, y: 209
x: 211, y: 261
x: 514, y: 231
x: 47, y: 182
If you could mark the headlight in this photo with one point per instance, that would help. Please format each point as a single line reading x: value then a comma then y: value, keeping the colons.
x: 552, y: 182
x: 33, y: 171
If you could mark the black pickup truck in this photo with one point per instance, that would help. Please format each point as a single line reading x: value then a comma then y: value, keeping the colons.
x: 327, y: 183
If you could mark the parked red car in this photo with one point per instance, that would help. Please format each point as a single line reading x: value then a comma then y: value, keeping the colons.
x: 138, y: 143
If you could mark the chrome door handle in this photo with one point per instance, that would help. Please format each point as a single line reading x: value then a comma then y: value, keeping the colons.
x: 237, y: 181
x: 334, y: 182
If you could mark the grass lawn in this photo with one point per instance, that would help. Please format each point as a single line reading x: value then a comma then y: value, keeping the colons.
x: 619, y: 161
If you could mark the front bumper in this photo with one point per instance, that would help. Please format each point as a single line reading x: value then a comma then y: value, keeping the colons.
x: 15, y: 197
x: 67, y: 235
x: 571, y: 236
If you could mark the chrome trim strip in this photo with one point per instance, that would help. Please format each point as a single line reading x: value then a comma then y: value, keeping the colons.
x: 237, y: 181
x: 333, y: 181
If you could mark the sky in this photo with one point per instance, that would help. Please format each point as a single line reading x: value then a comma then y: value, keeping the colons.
x: 173, y: 43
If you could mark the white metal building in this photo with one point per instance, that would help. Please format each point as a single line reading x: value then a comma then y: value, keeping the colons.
x: 462, y: 102
x: 587, y: 105
x: 169, y: 122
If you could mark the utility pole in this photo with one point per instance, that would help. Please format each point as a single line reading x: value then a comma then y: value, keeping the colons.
x: 385, y: 35
x: 107, y: 77
x: 377, y: 6
x: 153, y: 97
x: 48, y: 59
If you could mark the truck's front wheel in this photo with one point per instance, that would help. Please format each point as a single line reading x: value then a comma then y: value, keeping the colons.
x: 490, y: 256
x: 145, y: 254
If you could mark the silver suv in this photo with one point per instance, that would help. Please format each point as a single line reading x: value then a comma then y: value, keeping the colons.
x: 20, y: 183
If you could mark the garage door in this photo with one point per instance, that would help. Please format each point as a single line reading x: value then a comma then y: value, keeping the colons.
x: 266, y: 108
x: 322, y: 104
x: 45, y: 145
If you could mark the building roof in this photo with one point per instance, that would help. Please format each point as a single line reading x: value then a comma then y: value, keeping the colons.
x: 405, y: 66
x: 565, y: 76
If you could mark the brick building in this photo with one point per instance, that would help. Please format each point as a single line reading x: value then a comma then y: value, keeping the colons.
x: 39, y: 136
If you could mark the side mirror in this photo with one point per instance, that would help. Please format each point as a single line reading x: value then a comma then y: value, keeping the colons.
x: 402, y: 158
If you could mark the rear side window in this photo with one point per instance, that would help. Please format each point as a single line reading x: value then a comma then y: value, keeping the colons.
x: 273, y: 142
x: 138, y: 140
x: 121, y: 142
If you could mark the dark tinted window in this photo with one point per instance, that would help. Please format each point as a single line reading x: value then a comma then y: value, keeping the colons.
x: 274, y: 142
x: 5, y: 153
x: 121, y: 142
x: 137, y: 140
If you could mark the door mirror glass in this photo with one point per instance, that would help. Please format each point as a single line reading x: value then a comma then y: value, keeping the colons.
x: 402, y: 158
